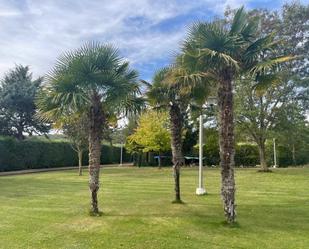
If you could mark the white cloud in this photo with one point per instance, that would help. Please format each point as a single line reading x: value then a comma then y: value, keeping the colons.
x: 35, y: 32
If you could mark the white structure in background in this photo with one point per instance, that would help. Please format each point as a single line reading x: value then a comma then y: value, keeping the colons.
x: 275, y: 154
x: 121, y: 153
x: 200, y: 190
x: 122, y: 124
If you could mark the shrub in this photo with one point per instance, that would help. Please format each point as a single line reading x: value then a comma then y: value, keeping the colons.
x: 246, y: 155
x: 36, y: 153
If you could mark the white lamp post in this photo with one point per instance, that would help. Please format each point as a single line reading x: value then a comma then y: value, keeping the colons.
x: 121, y: 149
x: 275, y: 154
x: 200, y: 190
x: 121, y: 152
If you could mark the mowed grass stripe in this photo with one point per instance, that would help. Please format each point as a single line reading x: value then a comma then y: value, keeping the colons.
x: 50, y: 210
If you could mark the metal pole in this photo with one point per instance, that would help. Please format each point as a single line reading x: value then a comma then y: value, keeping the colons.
x: 201, y: 190
x: 275, y: 154
x: 121, y: 151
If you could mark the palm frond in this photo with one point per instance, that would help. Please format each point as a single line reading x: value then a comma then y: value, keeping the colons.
x: 260, y: 46
x: 79, y: 73
x: 239, y: 21
x: 249, y: 31
x: 267, y: 65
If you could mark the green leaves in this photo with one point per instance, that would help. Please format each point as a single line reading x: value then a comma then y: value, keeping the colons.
x: 267, y: 65
x: 211, y: 47
x: 239, y: 21
x: 152, y: 133
x: 17, y: 103
x: 264, y: 82
x: 78, y: 74
x: 215, y: 50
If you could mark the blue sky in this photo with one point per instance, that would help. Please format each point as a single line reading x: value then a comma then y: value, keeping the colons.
x: 148, y: 33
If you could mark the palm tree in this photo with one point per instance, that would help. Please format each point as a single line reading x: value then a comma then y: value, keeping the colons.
x: 171, y: 90
x: 162, y: 94
x: 223, y: 52
x: 94, y: 80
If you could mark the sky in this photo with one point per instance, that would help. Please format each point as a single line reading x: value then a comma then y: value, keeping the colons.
x: 147, y: 32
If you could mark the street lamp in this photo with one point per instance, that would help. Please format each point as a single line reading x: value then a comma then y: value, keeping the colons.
x: 121, y: 149
x: 275, y: 154
x: 200, y: 190
x: 121, y: 152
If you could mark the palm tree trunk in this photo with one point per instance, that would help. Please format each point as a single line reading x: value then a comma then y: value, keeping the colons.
x: 80, y: 162
x: 227, y: 150
x: 95, y: 135
x: 176, y: 144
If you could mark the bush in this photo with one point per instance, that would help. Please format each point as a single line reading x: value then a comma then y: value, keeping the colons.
x: 35, y: 153
x: 246, y: 155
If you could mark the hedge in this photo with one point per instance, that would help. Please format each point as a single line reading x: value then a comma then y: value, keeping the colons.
x: 34, y: 154
x: 245, y: 155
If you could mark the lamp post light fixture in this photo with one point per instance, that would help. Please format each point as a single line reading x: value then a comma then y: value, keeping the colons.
x: 200, y: 190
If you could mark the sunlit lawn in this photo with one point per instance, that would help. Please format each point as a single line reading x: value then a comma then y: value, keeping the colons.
x: 50, y: 210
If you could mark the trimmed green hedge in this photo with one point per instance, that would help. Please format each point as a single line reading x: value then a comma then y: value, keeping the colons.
x: 34, y: 154
x: 245, y: 155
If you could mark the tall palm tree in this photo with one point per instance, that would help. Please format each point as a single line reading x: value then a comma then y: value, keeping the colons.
x: 95, y: 80
x: 223, y: 52
x: 162, y: 94
x: 171, y: 90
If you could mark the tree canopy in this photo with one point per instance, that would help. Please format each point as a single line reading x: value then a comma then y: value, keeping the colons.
x: 151, y: 134
x: 17, y: 104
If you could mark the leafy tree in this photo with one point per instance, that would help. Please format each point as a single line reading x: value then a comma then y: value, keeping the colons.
x: 294, y: 28
x: 258, y: 112
x: 274, y: 107
x: 222, y: 52
x: 76, y: 129
x: 17, y: 107
x: 96, y: 81
x: 292, y: 130
x: 152, y: 134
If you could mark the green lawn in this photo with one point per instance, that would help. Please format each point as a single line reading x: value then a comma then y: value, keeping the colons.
x: 50, y: 210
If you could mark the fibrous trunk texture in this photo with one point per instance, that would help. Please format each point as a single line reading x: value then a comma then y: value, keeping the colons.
x: 176, y: 144
x: 95, y: 135
x: 227, y: 150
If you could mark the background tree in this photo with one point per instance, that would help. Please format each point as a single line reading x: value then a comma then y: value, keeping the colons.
x: 290, y: 25
x: 258, y: 111
x: 96, y: 81
x: 17, y: 107
x: 75, y: 128
x: 152, y: 134
x: 292, y: 132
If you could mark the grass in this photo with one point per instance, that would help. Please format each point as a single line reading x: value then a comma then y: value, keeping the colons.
x: 50, y: 210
